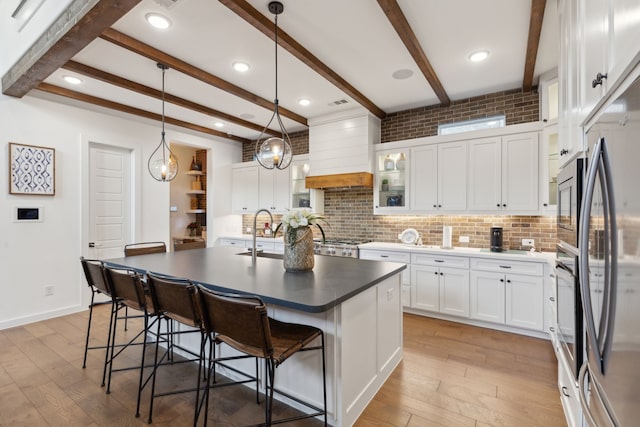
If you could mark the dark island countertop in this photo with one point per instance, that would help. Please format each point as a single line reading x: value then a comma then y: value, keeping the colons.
x: 332, y: 280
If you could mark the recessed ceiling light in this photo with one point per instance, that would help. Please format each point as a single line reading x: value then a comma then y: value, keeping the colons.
x: 218, y: 124
x: 72, y: 80
x: 241, y: 67
x: 304, y: 101
x: 402, y: 74
x: 158, y: 21
x: 247, y: 116
x: 478, y: 56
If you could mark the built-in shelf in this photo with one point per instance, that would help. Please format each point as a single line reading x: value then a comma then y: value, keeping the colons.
x: 194, y: 173
x: 196, y: 211
x: 196, y: 192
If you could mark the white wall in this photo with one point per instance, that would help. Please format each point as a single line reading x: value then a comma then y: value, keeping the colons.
x: 35, y: 255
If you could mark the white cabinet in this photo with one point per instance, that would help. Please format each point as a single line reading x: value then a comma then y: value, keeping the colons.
x: 439, y: 178
x: 487, y: 296
x: 391, y: 176
x: 302, y: 197
x: 503, y: 174
x: 424, y: 179
x: 509, y: 292
x: 274, y: 189
x: 452, y: 176
x: 440, y: 284
x: 548, y: 89
x: 244, y: 188
x: 393, y: 256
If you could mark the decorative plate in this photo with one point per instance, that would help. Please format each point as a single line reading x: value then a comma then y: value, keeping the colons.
x: 409, y: 236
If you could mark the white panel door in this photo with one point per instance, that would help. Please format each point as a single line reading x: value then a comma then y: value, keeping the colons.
x: 425, y: 292
x: 110, y: 200
x: 454, y: 291
x: 520, y: 174
x: 524, y: 298
x: 452, y: 176
x: 424, y: 178
x: 244, y: 189
x: 487, y: 296
x: 485, y: 174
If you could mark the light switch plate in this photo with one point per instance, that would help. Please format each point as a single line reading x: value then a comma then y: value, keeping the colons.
x: 528, y: 242
x: 463, y: 239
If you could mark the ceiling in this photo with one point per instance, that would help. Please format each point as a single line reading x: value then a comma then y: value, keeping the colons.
x: 354, y: 42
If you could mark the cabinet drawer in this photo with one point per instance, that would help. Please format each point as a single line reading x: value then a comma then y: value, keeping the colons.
x: 265, y: 246
x: 377, y: 255
x: 511, y: 267
x: 440, y: 261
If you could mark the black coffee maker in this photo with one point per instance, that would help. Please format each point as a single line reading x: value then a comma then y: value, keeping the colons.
x: 496, y: 239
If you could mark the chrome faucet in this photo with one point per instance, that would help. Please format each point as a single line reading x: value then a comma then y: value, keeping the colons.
x: 255, y: 218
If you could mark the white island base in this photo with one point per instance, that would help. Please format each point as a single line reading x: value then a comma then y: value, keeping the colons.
x: 363, y: 339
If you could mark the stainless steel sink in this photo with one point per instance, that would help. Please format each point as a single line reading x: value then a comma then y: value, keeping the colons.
x: 261, y: 254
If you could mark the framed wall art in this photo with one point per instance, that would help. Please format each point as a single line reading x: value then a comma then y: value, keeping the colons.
x: 31, y: 170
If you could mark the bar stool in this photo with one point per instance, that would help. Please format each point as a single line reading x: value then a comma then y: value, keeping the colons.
x: 144, y: 248
x: 128, y: 291
x: 176, y: 299
x: 94, y: 274
x: 241, y: 322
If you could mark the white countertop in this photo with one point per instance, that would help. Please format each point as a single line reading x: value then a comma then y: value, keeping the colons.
x: 461, y: 251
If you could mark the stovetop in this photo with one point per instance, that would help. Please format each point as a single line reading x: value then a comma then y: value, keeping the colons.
x: 351, y: 242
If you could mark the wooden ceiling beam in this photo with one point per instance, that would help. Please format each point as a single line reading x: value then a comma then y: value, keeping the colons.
x: 112, y: 79
x: 156, y: 55
x: 80, y: 23
x: 399, y: 22
x: 101, y: 102
x: 535, y: 28
x: 247, y: 12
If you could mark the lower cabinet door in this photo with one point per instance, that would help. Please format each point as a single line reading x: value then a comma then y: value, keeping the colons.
x: 425, y: 292
x: 454, y: 291
x: 524, y: 301
x: 487, y: 296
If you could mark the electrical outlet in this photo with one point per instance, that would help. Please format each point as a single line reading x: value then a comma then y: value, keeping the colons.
x: 528, y: 242
x: 463, y: 239
x: 48, y: 290
x: 248, y: 230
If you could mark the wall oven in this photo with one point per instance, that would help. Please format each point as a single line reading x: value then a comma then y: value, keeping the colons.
x: 569, y: 330
x: 570, y: 181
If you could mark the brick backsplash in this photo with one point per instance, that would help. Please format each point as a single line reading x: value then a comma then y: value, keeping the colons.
x: 350, y: 212
x: 350, y: 216
x: 518, y: 107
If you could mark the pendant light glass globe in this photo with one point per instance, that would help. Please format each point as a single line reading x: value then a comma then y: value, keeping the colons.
x: 163, y: 164
x: 274, y: 152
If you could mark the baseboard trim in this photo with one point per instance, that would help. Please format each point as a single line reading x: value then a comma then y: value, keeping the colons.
x: 20, y: 321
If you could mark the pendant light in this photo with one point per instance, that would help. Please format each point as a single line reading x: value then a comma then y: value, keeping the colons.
x: 163, y: 164
x: 274, y: 152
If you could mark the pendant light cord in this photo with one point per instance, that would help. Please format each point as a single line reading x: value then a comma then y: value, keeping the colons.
x: 275, y: 102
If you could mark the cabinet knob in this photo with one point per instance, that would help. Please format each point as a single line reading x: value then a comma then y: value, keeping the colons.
x: 502, y: 280
x: 504, y: 205
x: 442, y: 274
x: 435, y: 206
x: 498, y: 205
x: 545, y: 204
x: 508, y: 281
x: 598, y: 80
x: 439, y: 206
x: 435, y: 272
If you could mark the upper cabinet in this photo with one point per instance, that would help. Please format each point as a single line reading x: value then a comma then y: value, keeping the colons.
x: 254, y: 187
x: 491, y: 171
x: 274, y: 189
x: 244, y: 188
x: 439, y: 178
x: 503, y: 174
x: 391, y: 179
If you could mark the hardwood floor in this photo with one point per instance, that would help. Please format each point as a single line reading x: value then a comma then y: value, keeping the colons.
x: 451, y: 375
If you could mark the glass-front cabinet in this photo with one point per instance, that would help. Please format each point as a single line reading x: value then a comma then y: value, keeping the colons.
x: 300, y: 196
x: 391, y: 181
x: 549, y: 169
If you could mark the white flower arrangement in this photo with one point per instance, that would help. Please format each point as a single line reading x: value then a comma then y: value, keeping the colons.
x: 300, y: 218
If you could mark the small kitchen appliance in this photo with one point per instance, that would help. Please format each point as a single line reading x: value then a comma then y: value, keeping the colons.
x: 338, y: 247
x: 496, y: 239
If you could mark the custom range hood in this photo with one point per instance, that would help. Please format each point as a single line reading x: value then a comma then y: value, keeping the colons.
x: 341, y: 149
x: 340, y: 180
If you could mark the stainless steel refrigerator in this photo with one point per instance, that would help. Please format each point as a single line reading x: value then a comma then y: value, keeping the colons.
x: 609, y: 245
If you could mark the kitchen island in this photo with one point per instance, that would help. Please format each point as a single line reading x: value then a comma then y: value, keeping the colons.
x: 355, y: 302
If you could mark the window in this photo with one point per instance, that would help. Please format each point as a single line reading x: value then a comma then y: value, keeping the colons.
x: 469, y: 125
